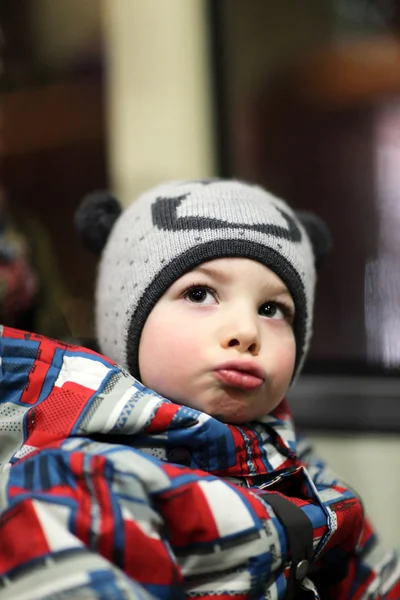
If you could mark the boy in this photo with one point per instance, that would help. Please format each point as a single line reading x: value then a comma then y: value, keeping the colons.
x: 200, y: 487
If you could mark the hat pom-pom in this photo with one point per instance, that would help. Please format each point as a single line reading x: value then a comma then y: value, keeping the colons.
x: 319, y: 234
x: 95, y: 218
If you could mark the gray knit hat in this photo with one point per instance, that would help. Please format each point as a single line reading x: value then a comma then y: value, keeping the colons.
x: 176, y: 226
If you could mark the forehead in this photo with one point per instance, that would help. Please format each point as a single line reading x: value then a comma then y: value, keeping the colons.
x: 228, y: 268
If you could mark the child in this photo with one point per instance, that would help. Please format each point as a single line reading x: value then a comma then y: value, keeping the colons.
x: 193, y: 482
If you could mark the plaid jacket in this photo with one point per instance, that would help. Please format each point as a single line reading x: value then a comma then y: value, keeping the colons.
x: 94, y: 505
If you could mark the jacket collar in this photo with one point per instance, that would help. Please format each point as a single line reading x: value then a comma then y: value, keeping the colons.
x: 259, y: 448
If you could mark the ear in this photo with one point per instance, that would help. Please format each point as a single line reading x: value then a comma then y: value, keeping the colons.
x: 95, y: 218
x: 319, y: 234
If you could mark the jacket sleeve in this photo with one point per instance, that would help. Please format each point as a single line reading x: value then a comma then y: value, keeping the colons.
x: 82, y: 517
x: 65, y: 531
x: 363, y: 570
x: 103, y: 515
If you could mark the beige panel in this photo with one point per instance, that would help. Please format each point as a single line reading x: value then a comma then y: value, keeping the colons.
x: 159, y: 118
x: 371, y: 465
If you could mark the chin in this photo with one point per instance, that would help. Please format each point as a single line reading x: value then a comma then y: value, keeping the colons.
x: 232, y: 419
x: 232, y: 412
x: 232, y: 407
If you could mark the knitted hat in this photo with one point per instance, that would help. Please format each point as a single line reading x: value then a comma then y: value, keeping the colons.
x: 176, y: 226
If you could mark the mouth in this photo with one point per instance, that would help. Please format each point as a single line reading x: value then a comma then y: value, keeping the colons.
x: 241, y: 375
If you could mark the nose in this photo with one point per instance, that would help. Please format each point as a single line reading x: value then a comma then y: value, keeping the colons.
x: 242, y: 332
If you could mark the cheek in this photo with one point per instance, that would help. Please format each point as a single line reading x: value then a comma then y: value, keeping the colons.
x: 288, y: 358
x: 284, y: 356
x: 166, y: 354
x: 288, y: 361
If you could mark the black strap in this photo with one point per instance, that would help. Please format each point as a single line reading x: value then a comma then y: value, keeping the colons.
x: 299, y: 533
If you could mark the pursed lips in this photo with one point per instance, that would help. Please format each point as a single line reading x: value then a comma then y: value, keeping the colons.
x: 241, y: 374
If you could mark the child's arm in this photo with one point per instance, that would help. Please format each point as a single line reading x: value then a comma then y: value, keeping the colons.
x: 82, y: 517
x: 102, y: 516
x: 368, y: 570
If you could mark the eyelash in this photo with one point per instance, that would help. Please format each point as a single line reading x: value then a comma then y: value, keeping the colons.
x: 287, y: 309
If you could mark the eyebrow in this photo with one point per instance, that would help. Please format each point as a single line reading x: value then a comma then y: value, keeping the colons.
x: 214, y: 273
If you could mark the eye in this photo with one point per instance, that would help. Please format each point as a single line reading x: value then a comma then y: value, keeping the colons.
x: 200, y: 294
x: 275, y: 310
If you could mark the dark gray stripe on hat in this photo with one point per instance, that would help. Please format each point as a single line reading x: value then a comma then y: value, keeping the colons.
x: 165, y: 216
x: 205, y: 252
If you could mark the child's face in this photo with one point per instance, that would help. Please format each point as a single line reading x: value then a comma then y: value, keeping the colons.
x: 221, y: 340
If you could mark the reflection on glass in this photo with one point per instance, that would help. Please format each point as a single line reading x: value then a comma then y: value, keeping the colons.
x: 382, y: 272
